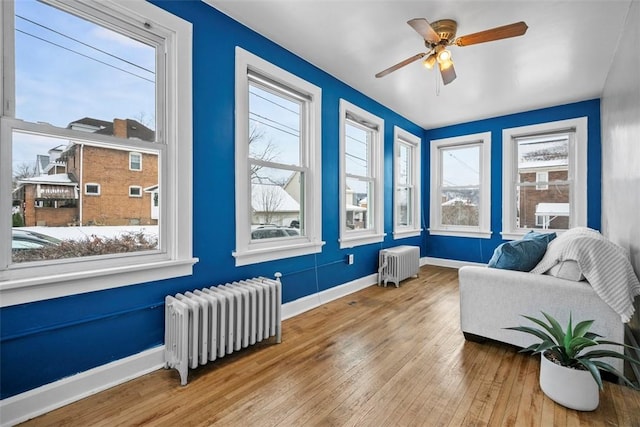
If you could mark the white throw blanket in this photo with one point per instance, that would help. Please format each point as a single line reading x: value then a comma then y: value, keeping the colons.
x: 604, y: 264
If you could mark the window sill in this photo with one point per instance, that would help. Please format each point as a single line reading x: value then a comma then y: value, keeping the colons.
x: 461, y: 233
x: 20, y: 291
x: 253, y: 256
x: 403, y: 234
x: 351, y: 241
x: 517, y: 235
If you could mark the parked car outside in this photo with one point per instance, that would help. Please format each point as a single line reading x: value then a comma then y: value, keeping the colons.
x: 273, y: 232
x: 26, y: 239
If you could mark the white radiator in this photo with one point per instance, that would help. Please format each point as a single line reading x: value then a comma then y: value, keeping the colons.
x: 208, y: 323
x: 399, y: 263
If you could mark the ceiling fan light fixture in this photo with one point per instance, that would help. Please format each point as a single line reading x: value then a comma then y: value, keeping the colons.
x: 444, y: 56
x: 430, y: 61
x: 445, y: 64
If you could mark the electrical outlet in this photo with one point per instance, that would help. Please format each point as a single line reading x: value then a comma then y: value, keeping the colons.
x: 350, y: 259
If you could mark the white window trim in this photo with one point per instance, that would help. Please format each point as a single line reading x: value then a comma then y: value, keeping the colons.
x: 351, y: 238
x: 400, y: 136
x: 134, y: 153
x: 248, y: 251
x: 483, y: 230
x: 577, y: 172
x: 136, y: 187
x: 87, y: 193
x: 33, y: 282
x: 542, y: 176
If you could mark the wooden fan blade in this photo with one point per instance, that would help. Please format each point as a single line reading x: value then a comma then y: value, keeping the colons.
x: 498, y: 33
x: 448, y: 74
x: 400, y: 64
x: 423, y: 28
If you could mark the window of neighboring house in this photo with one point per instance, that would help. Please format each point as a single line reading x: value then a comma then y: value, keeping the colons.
x: 135, y: 161
x: 138, y: 57
x: 554, y: 198
x: 460, y: 202
x: 541, y: 180
x: 361, y: 176
x: 92, y: 189
x: 135, y: 191
x: 278, y: 163
x: 406, y: 181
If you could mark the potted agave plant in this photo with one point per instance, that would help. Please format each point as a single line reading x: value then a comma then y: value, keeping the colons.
x: 569, y: 374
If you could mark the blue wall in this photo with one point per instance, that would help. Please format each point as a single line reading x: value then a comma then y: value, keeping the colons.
x: 480, y: 250
x: 45, y: 341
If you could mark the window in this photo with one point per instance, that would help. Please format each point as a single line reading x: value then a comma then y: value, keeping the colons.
x: 406, y: 182
x: 91, y: 189
x: 361, y: 176
x: 460, y: 202
x: 541, y: 180
x: 278, y: 163
x: 544, y: 177
x: 132, y: 62
x: 135, y: 191
x: 135, y: 161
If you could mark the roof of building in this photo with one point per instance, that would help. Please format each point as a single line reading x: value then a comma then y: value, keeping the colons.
x: 58, y: 179
x: 272, y: 198
x: 135, y: 129
x: 90, y: 122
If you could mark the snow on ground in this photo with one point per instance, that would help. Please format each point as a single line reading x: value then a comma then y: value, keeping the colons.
x: 84, y: 232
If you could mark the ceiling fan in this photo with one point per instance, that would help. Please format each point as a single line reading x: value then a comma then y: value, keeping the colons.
x: 440, y: 34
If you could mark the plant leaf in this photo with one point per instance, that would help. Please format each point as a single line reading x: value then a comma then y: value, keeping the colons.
x: 582, y: 328
x: 568, y: 337
x: 579, y: 343
x: 590, y: 365
x: 558, y: 332
x: 536, y: 332
x: 558, y: 337
x: 606, y: 367
x: 609, y: 353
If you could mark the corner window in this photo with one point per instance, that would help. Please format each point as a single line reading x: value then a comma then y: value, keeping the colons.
x: 278, y: 163
x: 92, y: 189
x: 361, y: 176
x: 406, y: 183
x: 460, y: 202
x: 135, y: 161
x: 544, y: 177
x: 62, y: 145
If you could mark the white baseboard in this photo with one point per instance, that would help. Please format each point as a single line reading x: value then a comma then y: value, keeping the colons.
x: 443, y: 262
x: 32, y: 403
x: 309, y: 302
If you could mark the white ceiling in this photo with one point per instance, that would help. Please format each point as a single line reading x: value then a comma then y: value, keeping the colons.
x: 564, y: 56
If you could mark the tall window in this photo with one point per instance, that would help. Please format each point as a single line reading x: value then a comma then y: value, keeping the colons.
x: 460, y: 186
x: 544, y: 172
x: 103, y: 99
x: 406, y: 178
x: 361, y: 176
x: 278, y: 209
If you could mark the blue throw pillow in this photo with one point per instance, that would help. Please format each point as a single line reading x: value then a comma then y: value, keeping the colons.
x: 520, y: 255
x: 545, y: 237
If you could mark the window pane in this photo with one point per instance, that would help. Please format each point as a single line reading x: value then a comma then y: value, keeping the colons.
x: 275, y: 202
x: 359, y: 204
x: 47, y: 198
x: 404, y: 165
x: 542, y: 154
x: 73, y: 73
x: 460, y: 206
x: 357, y: 149
x: 404, y: 202
x: 460, y: 166
x: 544, y: 208
x: 274, y: 127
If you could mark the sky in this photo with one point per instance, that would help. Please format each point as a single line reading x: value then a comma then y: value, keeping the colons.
x: 68, y: 69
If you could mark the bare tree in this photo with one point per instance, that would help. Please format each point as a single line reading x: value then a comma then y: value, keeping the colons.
x: 266, y: 152
x: 22, y: 171
x: 271, y: 200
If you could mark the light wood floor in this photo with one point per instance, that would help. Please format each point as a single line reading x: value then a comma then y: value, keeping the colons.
x: 379, y: 357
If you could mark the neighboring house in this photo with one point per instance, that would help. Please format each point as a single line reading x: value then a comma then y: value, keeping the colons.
x: 78, y: 185
x: 545, y: 205
x: 271, y: 204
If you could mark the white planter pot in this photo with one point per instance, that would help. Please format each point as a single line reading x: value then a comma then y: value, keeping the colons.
x: 569, y: 387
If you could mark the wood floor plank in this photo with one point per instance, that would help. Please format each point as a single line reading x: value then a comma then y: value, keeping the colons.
x: 381, y: 356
